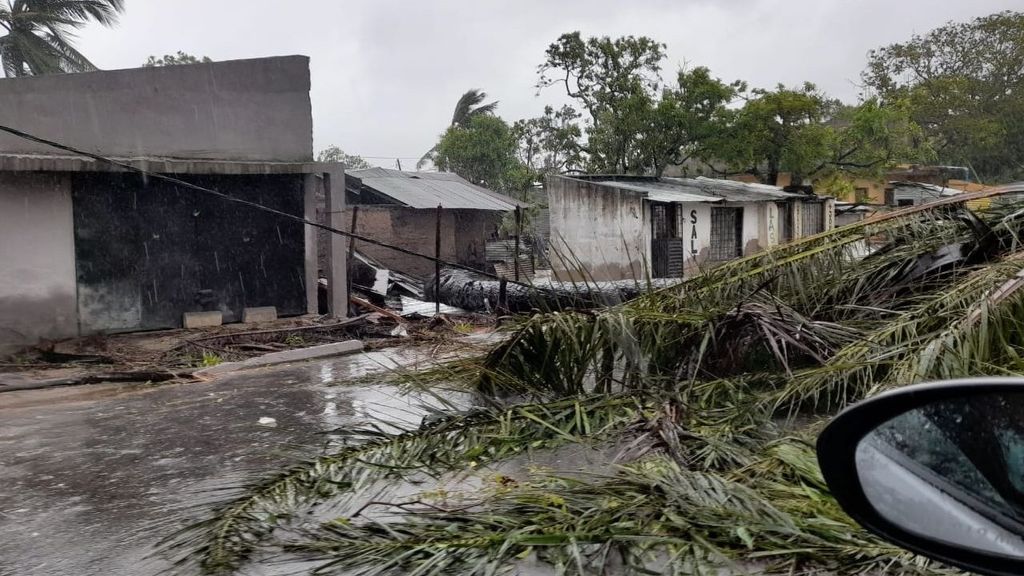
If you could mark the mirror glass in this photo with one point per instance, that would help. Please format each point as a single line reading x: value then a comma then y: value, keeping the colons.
x: 952, y: 471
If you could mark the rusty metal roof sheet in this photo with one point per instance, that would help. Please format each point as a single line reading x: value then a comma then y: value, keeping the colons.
x: 431, y: 189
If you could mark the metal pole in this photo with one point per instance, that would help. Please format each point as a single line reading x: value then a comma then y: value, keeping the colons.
x: 519, y: 230
x: 437, y: 264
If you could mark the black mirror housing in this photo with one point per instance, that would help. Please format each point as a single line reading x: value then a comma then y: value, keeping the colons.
x: 837, y: 450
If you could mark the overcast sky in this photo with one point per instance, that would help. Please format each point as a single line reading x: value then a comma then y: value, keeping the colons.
x: 387, y: 73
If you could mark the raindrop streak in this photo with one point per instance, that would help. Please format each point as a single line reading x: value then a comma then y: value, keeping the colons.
x: 262, y: 267
x: 156, y: 296
x: 242, y: 283
x: 279, y: 238
x: 145, y: 246
x: 216, y: 261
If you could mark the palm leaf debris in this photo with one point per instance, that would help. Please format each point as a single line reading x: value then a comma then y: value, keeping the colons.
x: 714, y: 389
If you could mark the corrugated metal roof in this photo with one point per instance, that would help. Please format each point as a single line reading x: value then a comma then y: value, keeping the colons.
x: 659, y: 191
x: 701, y: 189
x: 921, y: 191
x: 431, y: 189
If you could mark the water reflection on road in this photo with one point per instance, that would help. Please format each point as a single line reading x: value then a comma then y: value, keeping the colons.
x: 90, y: 478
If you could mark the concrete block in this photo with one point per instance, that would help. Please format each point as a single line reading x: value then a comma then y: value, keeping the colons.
x: 203, y: 319
x: 259, y: 314
x: 284, y: 357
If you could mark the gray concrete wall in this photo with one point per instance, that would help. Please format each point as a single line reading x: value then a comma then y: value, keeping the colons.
x: 601, y: 229
x: 235, y: 110
x: 37, y: 260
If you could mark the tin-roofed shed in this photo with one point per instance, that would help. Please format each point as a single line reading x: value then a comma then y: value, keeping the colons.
x: 634, y: 227
x: 400, y: 208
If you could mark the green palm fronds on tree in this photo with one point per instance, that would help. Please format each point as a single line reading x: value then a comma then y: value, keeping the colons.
x: 470, y: 105
x: 37, y: 36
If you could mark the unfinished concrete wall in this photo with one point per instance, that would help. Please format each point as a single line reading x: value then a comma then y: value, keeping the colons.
x: 37, y: 260
x: 602, y: 229
x: 236, y: 110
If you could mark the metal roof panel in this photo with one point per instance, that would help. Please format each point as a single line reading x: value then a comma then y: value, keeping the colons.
x: 431, y: 189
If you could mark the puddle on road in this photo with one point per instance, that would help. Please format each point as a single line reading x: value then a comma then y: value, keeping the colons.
x: 88, y: 485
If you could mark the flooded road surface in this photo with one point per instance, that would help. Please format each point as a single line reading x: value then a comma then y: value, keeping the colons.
x: 91, y: 477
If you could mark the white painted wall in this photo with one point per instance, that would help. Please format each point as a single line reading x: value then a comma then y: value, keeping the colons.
x: 753, y: 223
x: 602, y: 229
x: 37, y: 279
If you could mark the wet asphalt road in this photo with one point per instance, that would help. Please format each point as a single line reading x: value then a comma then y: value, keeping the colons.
x: 91, y: 477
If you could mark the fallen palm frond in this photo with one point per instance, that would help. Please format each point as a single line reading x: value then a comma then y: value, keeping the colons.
x: 719, y: 384
x: 652, y: 517
x: 448, y: 443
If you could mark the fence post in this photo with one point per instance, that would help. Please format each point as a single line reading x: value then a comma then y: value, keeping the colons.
x: 437, y: 264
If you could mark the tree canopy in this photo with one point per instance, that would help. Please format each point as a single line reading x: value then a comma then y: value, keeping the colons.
x: 804, y: 132
x: 483, y: 151
x: 634, y: 123
x: 469, y: 106
x: 175, y: 59
x: 964, y: 85
x: 37, y: 36
x: 335, y: 154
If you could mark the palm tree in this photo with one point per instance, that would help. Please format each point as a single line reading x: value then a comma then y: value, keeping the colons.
x: 39, y: 33
x: 468, y: 107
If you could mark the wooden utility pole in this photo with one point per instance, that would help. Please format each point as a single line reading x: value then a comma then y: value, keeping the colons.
x: 437, y: 264
x: 519, y: 230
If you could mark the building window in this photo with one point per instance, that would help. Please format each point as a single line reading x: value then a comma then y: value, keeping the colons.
x: 904, y: 202
x: 860, y: 195
x: 726, y: 233
x: 812, y: 218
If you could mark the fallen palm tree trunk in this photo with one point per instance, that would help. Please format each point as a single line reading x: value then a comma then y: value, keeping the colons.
x: 477, y: 294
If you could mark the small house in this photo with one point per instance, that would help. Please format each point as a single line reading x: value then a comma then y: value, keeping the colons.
x: 87, y: 247
x: 405, y: 209
x: 634, y: 227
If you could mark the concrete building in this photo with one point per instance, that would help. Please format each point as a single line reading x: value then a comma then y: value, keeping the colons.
x: 400, y: 208
x: 86, y: 247
x: 634, y: 227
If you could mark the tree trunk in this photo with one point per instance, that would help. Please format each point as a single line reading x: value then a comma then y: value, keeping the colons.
x: 475, y: 294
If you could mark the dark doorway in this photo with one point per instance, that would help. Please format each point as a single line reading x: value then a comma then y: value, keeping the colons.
x: 666, y: 243
x: 785, y: 222
x: 148, y: 251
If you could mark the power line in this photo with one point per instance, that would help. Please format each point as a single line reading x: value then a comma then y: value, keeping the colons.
x: 229, y: 198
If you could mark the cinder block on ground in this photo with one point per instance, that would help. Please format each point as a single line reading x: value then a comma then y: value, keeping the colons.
x: 259, y: 314
x: 203, y: 319
x: 284, y: 357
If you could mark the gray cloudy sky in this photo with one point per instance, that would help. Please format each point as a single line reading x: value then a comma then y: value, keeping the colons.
x: 387, y: 73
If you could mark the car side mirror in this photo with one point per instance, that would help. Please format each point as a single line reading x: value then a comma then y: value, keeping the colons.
x: 937, y: 469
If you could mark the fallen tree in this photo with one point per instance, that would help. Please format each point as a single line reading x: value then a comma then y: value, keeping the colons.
x: 479, y: 294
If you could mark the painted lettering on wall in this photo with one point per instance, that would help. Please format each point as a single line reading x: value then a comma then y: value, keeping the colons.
x: 693, y: 232
x: 773, y: 214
